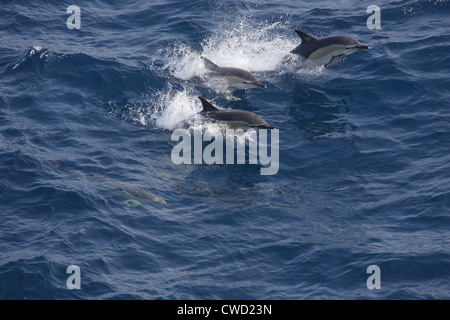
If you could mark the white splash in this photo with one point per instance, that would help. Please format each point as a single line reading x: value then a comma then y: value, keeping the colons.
x: 175, y: 107
x: 257, y: 49
x: 260, y: 48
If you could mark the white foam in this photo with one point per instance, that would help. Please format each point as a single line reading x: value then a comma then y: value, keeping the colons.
x: 257, y: 49
x: 184, y: 63
x: 173, y: 107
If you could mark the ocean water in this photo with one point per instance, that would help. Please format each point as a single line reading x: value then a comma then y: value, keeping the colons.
x: 87, y: 179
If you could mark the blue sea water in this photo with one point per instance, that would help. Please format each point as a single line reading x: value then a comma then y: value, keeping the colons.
x: 86, y: 176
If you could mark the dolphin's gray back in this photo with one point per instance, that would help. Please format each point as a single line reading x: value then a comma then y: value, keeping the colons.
x: 211, y: 65
x: 305, y: 49
x: 239, y: 73
x: 237, y: 115
x: 228, y: 71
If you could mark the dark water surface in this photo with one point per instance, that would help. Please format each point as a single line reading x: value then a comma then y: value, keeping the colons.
x: 86, y: 176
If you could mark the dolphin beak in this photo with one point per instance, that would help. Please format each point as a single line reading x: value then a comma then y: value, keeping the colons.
x: 363, y: 47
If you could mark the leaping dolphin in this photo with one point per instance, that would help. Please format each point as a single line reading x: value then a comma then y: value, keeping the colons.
x: 327, y: 51
x: 234, y: 119
x: 234, y: 78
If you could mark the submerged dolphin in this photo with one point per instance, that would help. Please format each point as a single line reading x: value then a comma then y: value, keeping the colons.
x: 125, y: 189
x: 234, y: 78
x: 326, y: 51
x: 234, y: 119
x: 137, y: 191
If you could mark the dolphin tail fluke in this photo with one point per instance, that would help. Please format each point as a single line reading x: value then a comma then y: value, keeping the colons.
x: 207, y: 107
x: 210, y: 65
x: 305, y: 37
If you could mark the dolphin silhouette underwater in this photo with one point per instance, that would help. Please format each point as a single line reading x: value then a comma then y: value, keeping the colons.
x: 124, y: 189
x: 234, y: 78
x: 232, y: 118
x: 326, y: 51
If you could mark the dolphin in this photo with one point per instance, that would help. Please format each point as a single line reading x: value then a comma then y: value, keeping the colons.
x: 234, y: 119
x: 234, y: 78
x: 136, y: 191
x: 125, y: 189
x: 327, y: 51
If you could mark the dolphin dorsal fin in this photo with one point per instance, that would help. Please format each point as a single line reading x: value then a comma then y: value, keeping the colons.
x: 305, y: 37
x: 209, y: 64
x: 207, y: 107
